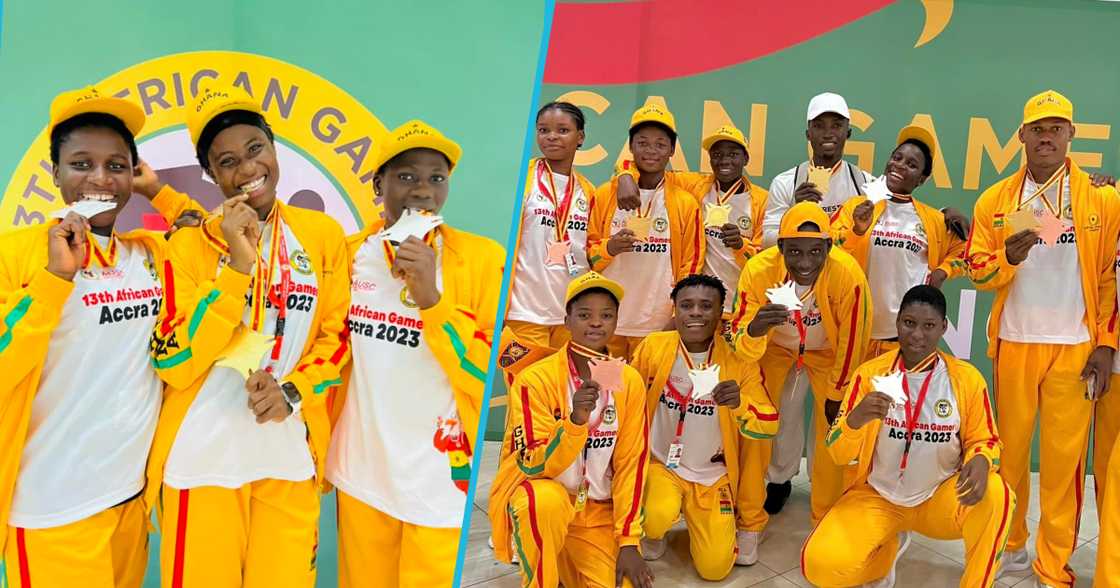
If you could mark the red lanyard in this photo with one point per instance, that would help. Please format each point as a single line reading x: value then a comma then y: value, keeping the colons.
x: 592, y: 425
x: 675, y: 394
x: 280, y: 299
x: 649, y: 205
x: 563, y: 207
x: 802, y: 330
x: 913, y: 410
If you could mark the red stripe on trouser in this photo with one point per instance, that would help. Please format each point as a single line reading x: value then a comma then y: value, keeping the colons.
x: 997, y: 544
x: 180, y: 540
x: 24, y: 566
x: 535, y: 529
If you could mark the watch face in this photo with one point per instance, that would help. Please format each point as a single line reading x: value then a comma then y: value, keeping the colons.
x: 290, y: 392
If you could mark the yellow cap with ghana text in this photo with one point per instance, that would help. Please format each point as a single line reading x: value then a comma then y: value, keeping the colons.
x: 416, y: 134
x: 653, y: 113
x: 725, y: 133
x: 1047, y: 104
x: 799, y: 214
x: 592, y: 280
x: 72, y: 103
x: 212, y: 101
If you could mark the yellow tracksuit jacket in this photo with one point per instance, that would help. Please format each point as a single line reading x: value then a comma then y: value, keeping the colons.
x: 1096, y: 220
x: 755, y: 418
x: 686, y: 230
x: 978, y: 425
x: 546, y: 443
x: 842, y: 295
x: 460, y: 327
x: 946, y: 250
x: 31, y: 300
x: 200, y: 313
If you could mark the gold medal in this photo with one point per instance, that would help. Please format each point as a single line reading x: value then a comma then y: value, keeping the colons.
x: 716, y: 215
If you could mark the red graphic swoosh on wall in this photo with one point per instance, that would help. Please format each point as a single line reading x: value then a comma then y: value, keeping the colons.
x: 633, y: 42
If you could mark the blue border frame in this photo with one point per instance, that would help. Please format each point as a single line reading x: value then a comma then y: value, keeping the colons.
x: 511, y: 241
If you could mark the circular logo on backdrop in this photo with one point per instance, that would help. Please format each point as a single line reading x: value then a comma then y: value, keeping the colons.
x: 325, y: 139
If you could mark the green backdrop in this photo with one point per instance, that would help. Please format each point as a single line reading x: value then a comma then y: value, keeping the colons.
x: 970, y: 80
x: 467, y: 68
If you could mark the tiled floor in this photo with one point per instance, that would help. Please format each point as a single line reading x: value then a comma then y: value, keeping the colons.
x: 928, y: 563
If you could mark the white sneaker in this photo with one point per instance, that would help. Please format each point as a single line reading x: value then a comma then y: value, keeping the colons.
x: 1041, y: 585
x: 512, y: 552
x: 888, y: 582
x: 653, y: 548
x: 1014, y: 561
x: 747, y: 541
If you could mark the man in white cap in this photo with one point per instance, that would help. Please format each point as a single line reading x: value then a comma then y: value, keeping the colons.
x: 827, y: 130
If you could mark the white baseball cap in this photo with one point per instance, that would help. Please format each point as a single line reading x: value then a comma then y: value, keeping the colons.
x: 827, y: 102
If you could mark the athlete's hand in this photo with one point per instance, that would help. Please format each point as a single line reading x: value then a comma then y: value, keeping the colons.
x: 1099, y: 367
x: 266, y: 399
x: 726, y: 393
x: 957, y: 223
x: 731, y: 236
x: 239, y: 227
x: 873, y: 407
x: 627, y: 194
x: 189, y: 218
x: 807, y: 191
x: 416, y: 263
x: 145, y: 182
x: 584, y: 401
x: 66, y: 246
x: 937, y: 278
x: 861, y: 217
x: 631, y: 565
x: 1098, y: 180
x: 1018, y: 246
x: 972, y: 482
x: 768, y: 317
x: 621, y: 242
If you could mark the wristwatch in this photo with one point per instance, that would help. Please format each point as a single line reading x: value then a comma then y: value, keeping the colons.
x: 292, y: 396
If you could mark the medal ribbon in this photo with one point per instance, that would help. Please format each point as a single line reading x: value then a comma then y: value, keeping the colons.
x: 1058, y: 177
x: 563, y: 207
x: 914, y: 409
x: 94, y: 253
x: 722, y: 199
x: 592, y: 425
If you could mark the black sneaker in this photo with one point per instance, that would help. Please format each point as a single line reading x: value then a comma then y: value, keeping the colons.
x: 776, y: 497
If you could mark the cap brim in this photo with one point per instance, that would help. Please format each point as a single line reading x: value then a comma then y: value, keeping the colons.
x: 239, y: 105
x: 128, y: 112
x: 708, y: 142
x: 451, y: 150
x: 658, y: 121
x: 1041, y: 115
x: 609, y: 286
x: 918, y: 134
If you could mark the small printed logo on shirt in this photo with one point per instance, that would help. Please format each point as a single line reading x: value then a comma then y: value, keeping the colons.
x: 108, y: 273
x: 1067, y: 212
x: 943, y: 408
x: 920, y: 230
x: 744, y: 223
x: 608, y: 415
x: 363, y: 285
x: 302, y: 262
x: 660, y: 225
x: 151, y: 267
x: 581, y: 204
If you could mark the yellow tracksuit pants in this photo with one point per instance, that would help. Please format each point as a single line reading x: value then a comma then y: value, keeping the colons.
x: 754, y: 458
x: 856, y: 541
x: 376, y: 550
x: 262, y: 535
x: 106, y: 550
x: 1043, y: 381
x: 1108, y: 546
x: 557, y: 545
x: 709, y: 512
x: 1106, y: 428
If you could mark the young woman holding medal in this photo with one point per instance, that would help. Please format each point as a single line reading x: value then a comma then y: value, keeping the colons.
x: 570, y: 497
x: 237, y: 462
x: 551, y: 239
x: 926, y: 464
x: 649, y: 242
x: 78, y: 302
x: 421, y: 322
x: 826, y: 338
x: 899, y: 242
x: 695, y: 433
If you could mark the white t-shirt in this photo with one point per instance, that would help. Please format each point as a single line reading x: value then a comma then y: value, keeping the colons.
x: 1046, y: 303
x: 538, y: 289
x: 597, y: 452
x: 935, y: 452
x: 816, y: 337
x: 95, y: 411
x: 840, y: 190
x: 719, y: 260
x: 382, y: 450
x: 646, y: 274
x: 220, y: 442
x: 703, y: 460
x: 898, y: 259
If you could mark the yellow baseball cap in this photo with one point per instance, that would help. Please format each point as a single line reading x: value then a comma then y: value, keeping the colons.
x: 725, y: 133
x: 1047, y: 104
x: 416, y: 134
x: 653, y: 113
x: 212, y: 101
x: 918, y: 134
x: 799, y: 214
x: 592, y: 280
x: 69, y: 104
